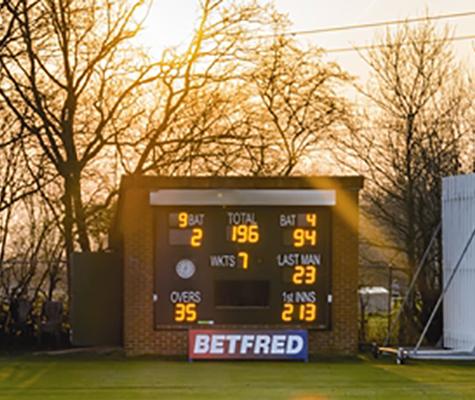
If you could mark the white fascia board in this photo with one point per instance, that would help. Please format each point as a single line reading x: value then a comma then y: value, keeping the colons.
x: 241, y: 197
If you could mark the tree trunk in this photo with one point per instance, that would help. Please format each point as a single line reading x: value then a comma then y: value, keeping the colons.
x: 81, y: 223
x: 68, y: 223
x: 74, y: 215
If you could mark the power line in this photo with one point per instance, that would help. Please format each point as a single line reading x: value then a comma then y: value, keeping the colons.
x: 369, y: 25
x: 379, y: 46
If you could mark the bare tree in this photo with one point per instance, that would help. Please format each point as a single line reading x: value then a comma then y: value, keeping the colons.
x: 69, y: 77
x: 17, y: 185
x: 209, y: 63
x: 261, y: 115
x: 207, y: 137
x: 414, y: 134
x: 296, y: 105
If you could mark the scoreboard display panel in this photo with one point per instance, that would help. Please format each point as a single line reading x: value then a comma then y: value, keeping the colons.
x: 242, y: 257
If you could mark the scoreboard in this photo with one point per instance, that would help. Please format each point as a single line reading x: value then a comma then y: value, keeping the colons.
x: 238, y: 257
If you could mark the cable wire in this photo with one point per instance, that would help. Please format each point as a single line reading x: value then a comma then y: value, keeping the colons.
x: 379, y: 46
x: 369, y: 25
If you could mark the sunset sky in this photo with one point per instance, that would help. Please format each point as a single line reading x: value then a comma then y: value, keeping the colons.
x: 171, y: 22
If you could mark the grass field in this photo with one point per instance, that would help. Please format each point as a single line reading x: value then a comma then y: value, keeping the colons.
x: 109, y: 377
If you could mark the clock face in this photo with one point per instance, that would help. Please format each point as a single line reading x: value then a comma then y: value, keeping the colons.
x: 185, y: 269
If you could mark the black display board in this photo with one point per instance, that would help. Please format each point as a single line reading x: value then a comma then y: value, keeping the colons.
x: 242, y: 265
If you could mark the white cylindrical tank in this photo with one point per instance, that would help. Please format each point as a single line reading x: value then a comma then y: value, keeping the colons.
x: 458, y: 223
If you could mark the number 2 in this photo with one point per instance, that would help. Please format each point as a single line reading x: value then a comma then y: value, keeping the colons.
x: 196, y: 236
x: 287, y: 312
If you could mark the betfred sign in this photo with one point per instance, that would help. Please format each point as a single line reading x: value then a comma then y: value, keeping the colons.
x: 227, y: 344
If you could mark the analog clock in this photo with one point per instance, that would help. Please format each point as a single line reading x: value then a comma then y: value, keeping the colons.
x: 185, y: 268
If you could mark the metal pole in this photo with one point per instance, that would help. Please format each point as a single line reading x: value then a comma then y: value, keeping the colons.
x: 413, y: 282
x: 441, y: 297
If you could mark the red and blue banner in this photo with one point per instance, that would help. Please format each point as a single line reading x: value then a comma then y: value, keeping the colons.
x: 213, y: 344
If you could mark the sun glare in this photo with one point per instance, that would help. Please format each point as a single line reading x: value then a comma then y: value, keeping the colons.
x: 169, y: 23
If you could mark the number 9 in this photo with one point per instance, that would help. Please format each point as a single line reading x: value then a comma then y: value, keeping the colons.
x: 183, y: 220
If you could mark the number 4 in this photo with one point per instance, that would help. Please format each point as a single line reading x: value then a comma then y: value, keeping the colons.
x: 311, y: 219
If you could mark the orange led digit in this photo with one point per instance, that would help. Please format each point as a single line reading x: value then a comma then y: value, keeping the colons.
x: 242, y: 233
x: 196, y: 236
x: 298, y: 274
x: 182, y: 220
x: 299, y: 239
x: 245, y: 259
x: 310, y: 313
x: 310, y: 274
x: 237, y: 234
x: 253, y: 233
x: 191, y: 313
x: 311, y: 219
x: 311, y: 237
x: 302, y: 312
x: 180, y: 312
x: 287, y: 312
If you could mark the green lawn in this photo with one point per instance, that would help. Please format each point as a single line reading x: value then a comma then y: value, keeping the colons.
x: 118, y: 378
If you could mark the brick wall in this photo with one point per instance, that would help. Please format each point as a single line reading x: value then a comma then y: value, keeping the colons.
x: 136, y: 228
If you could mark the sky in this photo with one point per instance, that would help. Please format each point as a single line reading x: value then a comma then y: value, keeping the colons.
x: 308, y: 14
x: 170, y: 22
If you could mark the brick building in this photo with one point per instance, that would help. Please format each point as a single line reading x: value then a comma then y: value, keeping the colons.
x: 135, y: 235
